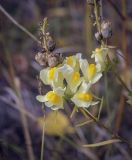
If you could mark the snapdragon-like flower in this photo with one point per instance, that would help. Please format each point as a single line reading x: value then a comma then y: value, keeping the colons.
x: 83, y: 97
x: 73, y: 61
x: 100, y: 55
x: 52, y: 76
x: 72, y: 77
x: 91, y: 72
x: 53, y: 99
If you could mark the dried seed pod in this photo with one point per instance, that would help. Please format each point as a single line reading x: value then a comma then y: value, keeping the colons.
x: 98, y: 36
x: 41, y: 58
x: 54, y: 59
x: 106, y: 29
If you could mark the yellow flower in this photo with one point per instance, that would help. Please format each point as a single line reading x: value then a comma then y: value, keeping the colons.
x: 73, y: 61
x: 56, y: 124
x: 100, y: 55
x: 72, y: 77
x: 52, y: 76
x: 53, y: 99
x: 92, y: 73
x: 75, y: 77
x: 83, y: 97
x: 51, y: 73
x: 69, y: 60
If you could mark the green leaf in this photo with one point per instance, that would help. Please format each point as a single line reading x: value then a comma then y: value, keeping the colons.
x: 102, y: 143
x: 84, y: 123
x: 100, y: 107
x: 75, y: 109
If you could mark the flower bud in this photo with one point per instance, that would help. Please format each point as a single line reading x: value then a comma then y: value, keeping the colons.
x: 106, y: 29
x: 98, y: 36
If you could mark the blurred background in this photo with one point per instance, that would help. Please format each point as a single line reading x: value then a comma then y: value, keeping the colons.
x: 21, y: 116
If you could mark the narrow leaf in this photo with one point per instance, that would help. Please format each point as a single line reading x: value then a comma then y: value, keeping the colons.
x: 73, y: 111
x: 102, y: 143
x: 100, y: 107
x: 83, y: 123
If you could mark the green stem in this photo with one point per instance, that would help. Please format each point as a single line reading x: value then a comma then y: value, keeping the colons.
x: 100, y: 107
x: 43, y: 134
x: 96, y: 16
x: 106, y: 93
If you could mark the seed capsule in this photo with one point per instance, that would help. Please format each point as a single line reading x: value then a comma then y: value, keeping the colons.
x: 106, y: 29
x: 41, y: 59
x: 54, y: 59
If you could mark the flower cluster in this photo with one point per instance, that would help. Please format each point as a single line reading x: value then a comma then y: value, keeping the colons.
x: 73, y: 80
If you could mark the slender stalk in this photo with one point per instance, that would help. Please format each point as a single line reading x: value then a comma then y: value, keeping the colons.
x: 73, y: 111
x: 96, y: 15
x: 43, y: 135
x: 98, y: 21
x: 100, y: 107
x: 106, y: 94
x: 44, y: 116
x: 43, y: 30
x: 18, y: 25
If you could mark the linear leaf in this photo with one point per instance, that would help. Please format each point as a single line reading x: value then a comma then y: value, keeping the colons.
x: 83, y: 123
x: 100, y: 107
x: 102, y: 143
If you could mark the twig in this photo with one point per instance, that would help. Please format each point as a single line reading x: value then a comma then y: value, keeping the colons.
x: 18, y: 25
